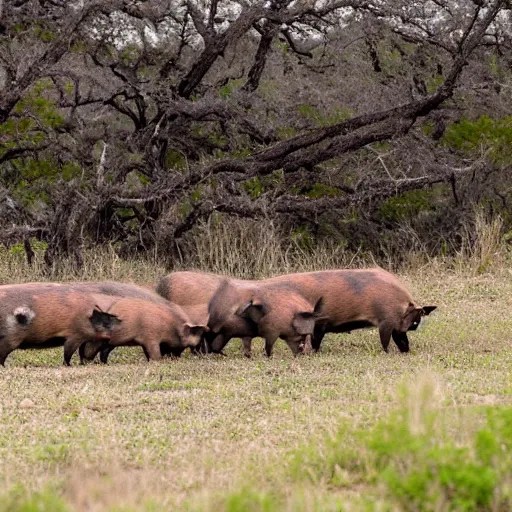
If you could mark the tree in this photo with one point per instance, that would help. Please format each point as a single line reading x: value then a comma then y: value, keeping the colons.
x: 131, y: 121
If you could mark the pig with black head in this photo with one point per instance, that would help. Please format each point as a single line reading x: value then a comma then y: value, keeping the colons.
x: 246, y: 309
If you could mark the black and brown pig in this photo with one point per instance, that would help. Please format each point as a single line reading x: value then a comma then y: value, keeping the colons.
x: 39, y: 316
x: 353, y: 299
x: 152, y: 326
x: 245, y: 309
x: 88, y: 351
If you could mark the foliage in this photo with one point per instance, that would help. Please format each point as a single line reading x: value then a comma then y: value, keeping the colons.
x: 482, y: 134
x: 415, y: 454
x: 108, y: 106
x: 322, y: 119
x: 407, y: 205
x: 321, y: 190
x: 250, y: 501
x: 20, y: 500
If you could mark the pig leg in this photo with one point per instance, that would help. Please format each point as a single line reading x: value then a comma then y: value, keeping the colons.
x: 385, y: 330
x: 269, y: 345
x: 4, y: 352
x: 167, y: 350
x: 81, y: 353
x: 318, y: 336
x: 89, y: 350
x: 219, y: 343
x: 176, y: 353
x: 401, y: 340
x: 71, y: 345
x: 152, y: 351
x: 105, y: 352
x: 7, y: 345
x: 246, y: 343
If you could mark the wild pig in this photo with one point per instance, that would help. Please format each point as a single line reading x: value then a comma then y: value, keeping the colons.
x: 193, y: 291
x: 33, y: 316
x: 88, y: 351
x: 151, y: 326
x: 248, y: 309
x: 353, y: 299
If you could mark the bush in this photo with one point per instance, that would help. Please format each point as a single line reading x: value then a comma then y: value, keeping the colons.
x: 415, y: 463
x: 20, y: 500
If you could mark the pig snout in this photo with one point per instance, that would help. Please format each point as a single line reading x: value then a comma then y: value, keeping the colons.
x: 305, y: 346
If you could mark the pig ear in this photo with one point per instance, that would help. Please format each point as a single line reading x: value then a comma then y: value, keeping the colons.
x: 410, y: 308
x: 254, y: 310
x: 428, y: 309
x: 194, y: 330
x: 319, y: 306
x: 101, y: 319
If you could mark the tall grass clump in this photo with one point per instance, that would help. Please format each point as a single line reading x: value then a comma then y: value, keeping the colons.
x: 482, y: 248
x: 259, y: 248
x: 252, y: 249
x: 102, y: 263
x: 238, y: 248
x: 415, y: 460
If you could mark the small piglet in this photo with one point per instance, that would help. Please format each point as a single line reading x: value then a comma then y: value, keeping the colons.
x: 152, y: 326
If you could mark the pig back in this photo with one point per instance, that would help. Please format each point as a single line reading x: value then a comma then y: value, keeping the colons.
x: 351, y: 295
x: 189, y: 288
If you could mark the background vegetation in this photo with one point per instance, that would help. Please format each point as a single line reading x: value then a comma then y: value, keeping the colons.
x: 370, y: 127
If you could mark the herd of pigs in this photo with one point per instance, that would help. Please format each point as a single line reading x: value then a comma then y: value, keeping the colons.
x: 204, y: 311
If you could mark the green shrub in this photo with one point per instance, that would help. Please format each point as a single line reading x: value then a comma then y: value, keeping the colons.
x: 249, y: 500
x: 416, y: 463
x: 407, y: 205
x: 494, y: 135
x: 20, y: 500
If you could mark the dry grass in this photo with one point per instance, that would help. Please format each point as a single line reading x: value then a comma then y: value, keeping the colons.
x: 482, y: 244
x: 194, y: 434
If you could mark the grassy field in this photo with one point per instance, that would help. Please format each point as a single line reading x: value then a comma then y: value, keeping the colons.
x: 350, y: 428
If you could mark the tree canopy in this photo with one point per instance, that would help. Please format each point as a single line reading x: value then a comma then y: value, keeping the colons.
x: 131, y: 121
